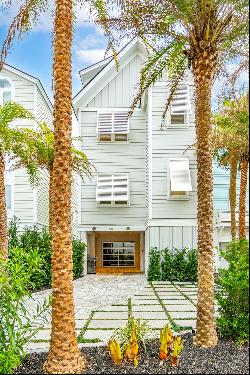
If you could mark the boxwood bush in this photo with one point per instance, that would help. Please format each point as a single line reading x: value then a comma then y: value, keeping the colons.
x: 233, y: 293
x: 172, y: 265
x: 33, y: 239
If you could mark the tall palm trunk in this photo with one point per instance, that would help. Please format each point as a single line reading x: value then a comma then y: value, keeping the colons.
x: 3, y: 212
x: 51, y: 187
x: 242, y: 202
x: 205, y: 326
x: 232, y: 194
x: 64, y: 355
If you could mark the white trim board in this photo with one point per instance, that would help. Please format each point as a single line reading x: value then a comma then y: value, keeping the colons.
x: 100, y: 228
x: 172, y: 223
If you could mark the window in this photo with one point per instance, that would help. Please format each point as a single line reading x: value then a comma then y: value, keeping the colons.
x: 5, y: 91
x: 180, y: 180
x: 112, y: 190
x: 8, y: 197
x: 181, y: 106
x: 118, y: 254
x: 112, y: 126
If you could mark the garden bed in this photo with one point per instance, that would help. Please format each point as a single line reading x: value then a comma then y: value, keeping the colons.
x: 226, y: 358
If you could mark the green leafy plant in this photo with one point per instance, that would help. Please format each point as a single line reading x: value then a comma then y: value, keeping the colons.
x: 37, y: 242
x: 78, y: 260
x: 18, y: 324
x: 154, y: 270
x: 173, y: 265
x: 167, y: 265
x: 180, y: 264
x: 233, y: 293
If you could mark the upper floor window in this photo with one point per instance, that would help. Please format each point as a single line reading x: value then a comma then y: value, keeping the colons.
x: 5, y: 91
x: 180, y: 106
x: 8, y: 197
x: 112, y: 126
x: 180, y: 179
x: 112, y: 189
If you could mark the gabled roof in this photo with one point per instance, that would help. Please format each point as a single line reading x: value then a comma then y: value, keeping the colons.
x: 32, y: 79
x: 86, y: 74
x: 100, y: 69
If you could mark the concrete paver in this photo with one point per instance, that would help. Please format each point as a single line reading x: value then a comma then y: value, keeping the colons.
x: 108, y: 296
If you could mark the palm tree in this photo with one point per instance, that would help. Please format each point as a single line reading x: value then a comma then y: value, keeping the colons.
x: 243, y: 193
x: 230, y: 140
x: 8, y: 112
x: 227, y: 157
x: 64, y: 355
x: 201, y: 34
x: 34, y: 150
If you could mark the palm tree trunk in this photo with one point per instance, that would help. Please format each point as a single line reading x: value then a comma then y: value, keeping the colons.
x: 50, y: 200
x: 206, y: 324
x: 242, y: 202
x: 64, y: 355
x: 233, y: 182
x: 3, y: 213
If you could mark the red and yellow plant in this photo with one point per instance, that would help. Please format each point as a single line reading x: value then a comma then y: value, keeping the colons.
x: 171, y: 346
x: 115, y: 351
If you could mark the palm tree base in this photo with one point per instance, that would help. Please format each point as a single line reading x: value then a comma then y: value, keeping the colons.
x: 74, y: 364
x: 204, y: 342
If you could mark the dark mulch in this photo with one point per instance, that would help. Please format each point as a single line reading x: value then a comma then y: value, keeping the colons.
x: 226, y: 358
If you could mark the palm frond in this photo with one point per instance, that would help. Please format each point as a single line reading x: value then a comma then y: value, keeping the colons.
x: 28, y: 14
x: 157, y: 63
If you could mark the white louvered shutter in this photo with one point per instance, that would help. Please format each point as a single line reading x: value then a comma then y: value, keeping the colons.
x: 181, y: 104
x: 120, y: 123
x: 180, y: 179
x: 112, y: 188
x: 105, y: 123
x: 113, y: 122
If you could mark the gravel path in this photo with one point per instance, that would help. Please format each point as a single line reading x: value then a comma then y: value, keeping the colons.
x: 226, y: 358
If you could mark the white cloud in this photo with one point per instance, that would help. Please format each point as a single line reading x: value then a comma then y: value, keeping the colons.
x: 90, y: 56
x: 45, y: 21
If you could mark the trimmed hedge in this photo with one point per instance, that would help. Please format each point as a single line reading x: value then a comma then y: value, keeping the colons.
x: 38, y: 241
x: 172, y: 265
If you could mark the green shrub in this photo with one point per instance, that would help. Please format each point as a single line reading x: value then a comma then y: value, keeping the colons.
x: 167, y: 265
x: 233, y: 293
x: 38, y: 241
x: 78, y: 254
x: 154, y: 270
x: 179, y: 264
x: 18, y: 324
x: 192, y: 265
x: 172, y: 265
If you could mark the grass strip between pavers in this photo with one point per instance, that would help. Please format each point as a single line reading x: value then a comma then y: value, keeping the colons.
x: 80, y: 337
x: 39, y: 340
x: 184, y: 294
x: 176, y: 327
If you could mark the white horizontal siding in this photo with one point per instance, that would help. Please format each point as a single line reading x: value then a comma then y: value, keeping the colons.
x: 128, y: 158
x: 43, y: 199
x: 23, y: 197
x: 166, y: 144
x: 44, y: 113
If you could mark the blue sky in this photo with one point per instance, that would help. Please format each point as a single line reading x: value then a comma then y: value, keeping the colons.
x: 33, y: 54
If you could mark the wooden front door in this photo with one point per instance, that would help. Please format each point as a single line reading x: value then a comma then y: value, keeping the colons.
x: 117, y: 252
